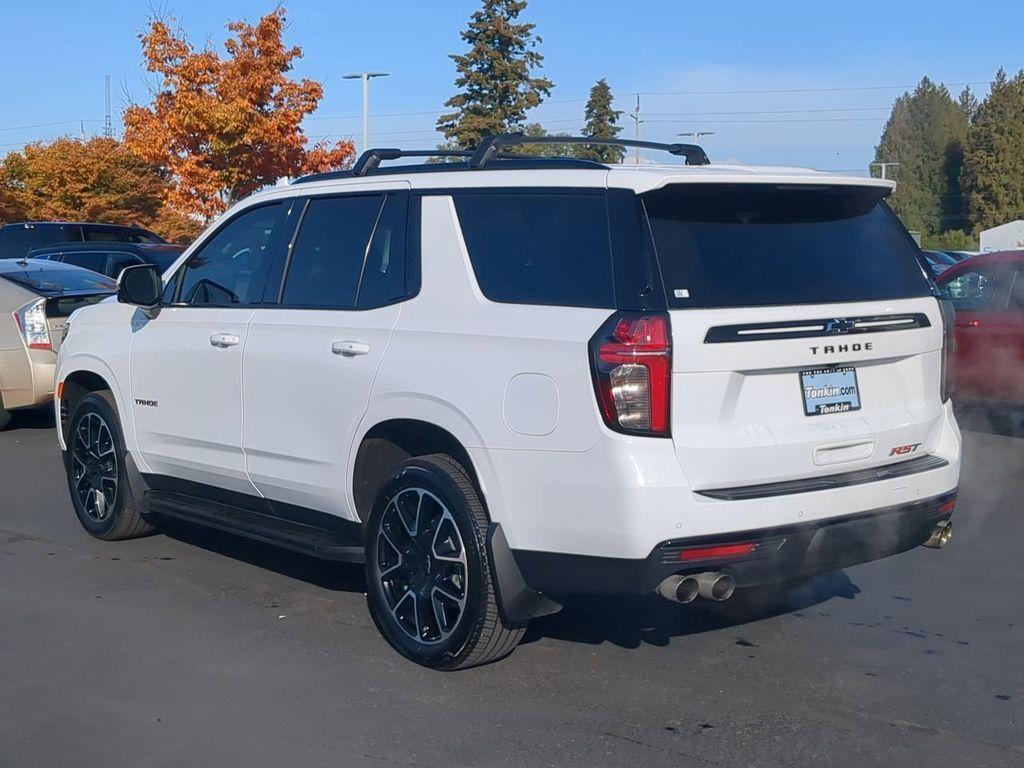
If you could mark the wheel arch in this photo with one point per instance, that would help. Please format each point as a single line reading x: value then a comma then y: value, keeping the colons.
x: 90, y: 375
x: 386, y: 443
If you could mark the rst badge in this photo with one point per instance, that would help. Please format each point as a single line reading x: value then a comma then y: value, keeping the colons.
x: 903, y: 450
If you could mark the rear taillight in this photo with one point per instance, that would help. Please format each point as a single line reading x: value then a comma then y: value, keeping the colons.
x: 948, y: 385
x: 631, y: 360
x: 31, y: 321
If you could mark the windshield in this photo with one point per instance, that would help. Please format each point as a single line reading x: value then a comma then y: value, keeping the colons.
x: 758, y: 245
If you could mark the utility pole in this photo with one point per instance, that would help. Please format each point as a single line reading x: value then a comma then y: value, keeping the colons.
x: 635, y: 115
x: 108, y: 127
x: 885, y: 167
x: 365, y: 77
x: 696, y: 135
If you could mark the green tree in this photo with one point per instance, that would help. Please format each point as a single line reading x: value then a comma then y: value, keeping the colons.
x: 950, y: 240
x: 925, y: 134
x: 496, y: 79
x: 994, y: 160
x: 602, y: 123
x: 534, y: 130
x: 968, y: 102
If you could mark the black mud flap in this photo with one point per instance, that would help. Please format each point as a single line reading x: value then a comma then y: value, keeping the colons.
x: 516, y: 601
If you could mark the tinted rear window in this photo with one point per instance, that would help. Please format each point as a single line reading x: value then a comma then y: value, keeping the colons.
x: 745, y: 245
x: 539, y: 248
x: 17, y: 239
x: 57, y: 280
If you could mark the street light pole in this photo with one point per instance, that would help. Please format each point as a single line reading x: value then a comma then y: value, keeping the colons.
x: 884, y: 167
x: 365, y: 77
x: 696, y: 134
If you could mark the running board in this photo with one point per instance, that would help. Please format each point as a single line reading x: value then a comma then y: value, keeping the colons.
x: 266, y: 527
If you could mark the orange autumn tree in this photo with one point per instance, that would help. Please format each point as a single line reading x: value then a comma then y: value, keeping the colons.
x: 223, y: 127
x: 94, y: 180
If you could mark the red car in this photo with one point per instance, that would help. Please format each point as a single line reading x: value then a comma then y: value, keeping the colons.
x: 988, y: 293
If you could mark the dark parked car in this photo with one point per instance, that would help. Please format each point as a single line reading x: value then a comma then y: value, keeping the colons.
x: 17, y: 239
x: 938, y: 261
x: 110, y: 258
x: 988, y: 293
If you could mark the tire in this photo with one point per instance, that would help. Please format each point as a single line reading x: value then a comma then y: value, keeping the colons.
x: 413, y: 577
x: 95, y: 457
x: 5, y: 418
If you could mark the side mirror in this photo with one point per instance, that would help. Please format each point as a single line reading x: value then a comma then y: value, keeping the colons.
x: 141, y: 286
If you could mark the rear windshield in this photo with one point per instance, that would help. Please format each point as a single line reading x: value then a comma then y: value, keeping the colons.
x: 65, y: 305
x: 16, y: 240
x: 53, y: 281
x: 754, y: 245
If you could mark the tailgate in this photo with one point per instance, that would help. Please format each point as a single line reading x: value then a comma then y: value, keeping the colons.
x: 740, y: 406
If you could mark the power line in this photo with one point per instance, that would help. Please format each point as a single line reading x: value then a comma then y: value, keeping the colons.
x: 48, y: 125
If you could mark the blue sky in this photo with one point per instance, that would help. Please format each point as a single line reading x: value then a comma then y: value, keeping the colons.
x: 712, y: 66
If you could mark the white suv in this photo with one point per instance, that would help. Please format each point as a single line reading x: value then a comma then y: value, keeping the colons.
x: 507, y: 380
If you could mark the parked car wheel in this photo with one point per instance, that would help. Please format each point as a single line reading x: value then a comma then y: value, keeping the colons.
x: 5, y: 418
x: 96, y: 471
x: 429, y: 583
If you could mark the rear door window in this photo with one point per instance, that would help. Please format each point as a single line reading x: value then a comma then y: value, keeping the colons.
x: 329, y: 252
x: 760, y: 245
x: 116, y: 263
x: 549, y: 248
x: 92, y: 260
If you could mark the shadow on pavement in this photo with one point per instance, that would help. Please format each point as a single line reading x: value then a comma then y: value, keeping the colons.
x: 991, y: 419
x: 32, y: 418
x: 627, y: 622
x: 632, y: 622
x: 340, y: 577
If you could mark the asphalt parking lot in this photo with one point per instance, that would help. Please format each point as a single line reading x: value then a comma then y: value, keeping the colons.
x: 193, y: 649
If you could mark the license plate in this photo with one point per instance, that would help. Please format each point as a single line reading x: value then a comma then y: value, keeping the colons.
x: 830, y: 390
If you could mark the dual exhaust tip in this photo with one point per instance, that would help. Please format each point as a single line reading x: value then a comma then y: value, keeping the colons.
x: 680, y: 588
x: 941, y: 535
x: 685, y: 589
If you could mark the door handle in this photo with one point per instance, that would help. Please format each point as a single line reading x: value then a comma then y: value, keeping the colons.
x: 225, y: 340
x: 350, y: 348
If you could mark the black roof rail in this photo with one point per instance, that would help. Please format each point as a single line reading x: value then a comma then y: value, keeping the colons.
x: 490, y: 149
x: 491, y: 146
x: 371, y: 159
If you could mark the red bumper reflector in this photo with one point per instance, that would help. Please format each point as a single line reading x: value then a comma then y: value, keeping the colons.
x: 721, y: 550
x: 947, y: 507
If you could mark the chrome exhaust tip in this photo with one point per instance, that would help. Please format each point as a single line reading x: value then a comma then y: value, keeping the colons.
x: 715, y: 586
x: 940, y: 536
x: 679, y: 589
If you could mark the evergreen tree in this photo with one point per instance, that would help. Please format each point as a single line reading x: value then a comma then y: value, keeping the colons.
x: 495, y: 77
x: 968, y: 102
x: 994, y: 160
x: 925, y: 134
x: 602, y: 123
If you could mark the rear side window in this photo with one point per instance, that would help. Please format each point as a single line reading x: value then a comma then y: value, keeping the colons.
x: 549, y: 248
x: 329, y: 251
x: 93, y: 260
x: 762, y: 245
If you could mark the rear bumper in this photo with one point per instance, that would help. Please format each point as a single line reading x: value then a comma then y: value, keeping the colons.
x: 780, y: 554
x: 26, y: 377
